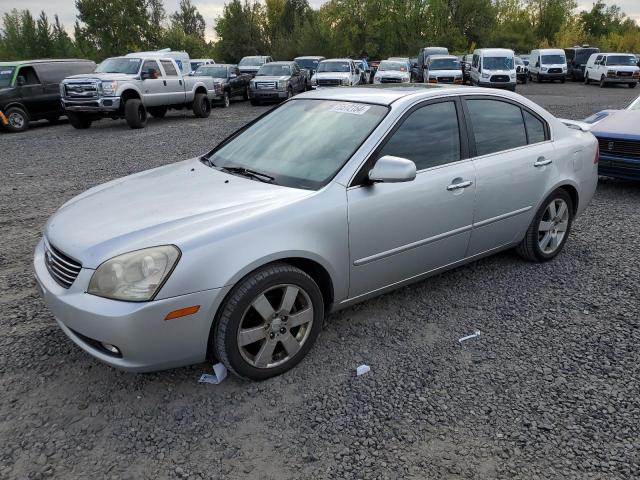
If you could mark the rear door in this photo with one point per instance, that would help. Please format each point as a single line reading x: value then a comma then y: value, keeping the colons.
x: 515, y: 165
x: 175, y: 84
x: 51, y: 74
x: 398, y: 231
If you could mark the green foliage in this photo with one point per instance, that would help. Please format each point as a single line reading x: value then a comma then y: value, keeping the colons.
x: 289, y: 28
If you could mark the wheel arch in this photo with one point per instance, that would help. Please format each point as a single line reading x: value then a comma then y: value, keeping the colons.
x: 200, y: 89
x: 17, y: 105
x: 128, y: 94
x: 573, y: 193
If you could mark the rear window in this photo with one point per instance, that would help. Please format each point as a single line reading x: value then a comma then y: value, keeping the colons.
x: 497, y: 125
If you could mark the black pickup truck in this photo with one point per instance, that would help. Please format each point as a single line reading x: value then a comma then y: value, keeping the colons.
x: 234, y: 83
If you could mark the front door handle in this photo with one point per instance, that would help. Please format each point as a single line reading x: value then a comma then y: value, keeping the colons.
x: 165, y: 82
x: 541, y: 162
x: 456, y: 186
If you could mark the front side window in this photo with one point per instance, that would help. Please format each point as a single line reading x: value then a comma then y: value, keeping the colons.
x: 429, y: 136
x: 30, y: 76
x: 497, y: 125
x: 169, y: 69
x: 124, y: 65
x: 151, y: 66
x: 325, y: 136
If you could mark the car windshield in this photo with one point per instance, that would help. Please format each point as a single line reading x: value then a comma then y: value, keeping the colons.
x: 621, y: 60
x: 445, y: 64
x: 251, y: 62
x: 308, y: 63
x: 334, y: 67
x: 552, y: 59
x: 215, y: 72
x: 6, y: 75
x: 325, y: 136
x: 392, y: 66
x: 269, y: 69
x: 120, y: 65
x: 497, y: 63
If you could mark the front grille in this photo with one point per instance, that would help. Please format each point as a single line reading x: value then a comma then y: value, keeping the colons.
x: 81, y: 90
x: 619, y: 148
x: 390, y: 80
x: 329, y: 82
x: 445, y: 79
x: 555, y: 70
x: 265, y: 85
x: 499, y: 78
x: 624, y: 74
x: 62, y: 268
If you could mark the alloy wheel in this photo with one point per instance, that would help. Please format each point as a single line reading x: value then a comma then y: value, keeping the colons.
x: 16, y: 120
x: 269, y: 336
x: 553, y: 226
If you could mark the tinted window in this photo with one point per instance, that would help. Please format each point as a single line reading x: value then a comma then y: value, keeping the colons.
x: 429, y: 136
x: 29, y: 75
x: 151, y: 65
x: 535, y: 128
x: 496, y: 125
x: 169, y: 69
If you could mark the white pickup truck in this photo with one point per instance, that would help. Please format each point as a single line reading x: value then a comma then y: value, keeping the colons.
x: 131, y: 87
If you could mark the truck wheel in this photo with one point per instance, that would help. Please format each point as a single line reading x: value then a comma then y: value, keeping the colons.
x: 245, y: 94
x: 632, y: 85
x: 289, y: 92
x: 135, y: 114
x: 201, y: 106
x: 602, y: 82
x: 255, y: 103
x: 157, y: 112
x: 586, y: 79
x: 79, y: 121
x: 226, y: 100
x: 53, y: 120
x: 18, y: 120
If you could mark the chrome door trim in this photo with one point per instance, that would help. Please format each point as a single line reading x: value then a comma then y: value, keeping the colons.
x: 491, y: 220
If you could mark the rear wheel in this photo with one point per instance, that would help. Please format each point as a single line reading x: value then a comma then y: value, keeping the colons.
x: 157, y: 112
x: 269, y: 322
x: 201, y: 106
x: 549, y: 229
x: 17, y: 120
x: 79, y: 121
x: 135, y: 113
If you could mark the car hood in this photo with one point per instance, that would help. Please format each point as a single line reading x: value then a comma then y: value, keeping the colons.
x: 391, y: 74
x: 623, y: 124
x: 173, y: 204
x: 100, y: 76
x: 623, y: 68
x: 270, y: 78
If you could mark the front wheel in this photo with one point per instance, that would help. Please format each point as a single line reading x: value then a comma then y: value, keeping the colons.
x: 586, y: 79
x: 17, y: 120
x: 603, y: 83
x: 79, y: 121
x: 549, y: 229
x: 632, y: 85
x: 226, y: 100
x: 135, y: 113
x: 201, y: 106
x: 268, y: 322
x: 245, y: 94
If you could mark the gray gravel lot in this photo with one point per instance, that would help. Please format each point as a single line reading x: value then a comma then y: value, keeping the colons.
x: 551, y: 389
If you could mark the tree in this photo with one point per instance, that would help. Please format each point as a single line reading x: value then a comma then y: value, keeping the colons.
x: 157, y: 17
x: 602, y: 20
x: 240, y: 30
x: 189, y: 19
x: 44, y: 42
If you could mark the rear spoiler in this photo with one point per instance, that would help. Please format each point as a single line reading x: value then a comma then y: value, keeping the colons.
x: 576, y: 125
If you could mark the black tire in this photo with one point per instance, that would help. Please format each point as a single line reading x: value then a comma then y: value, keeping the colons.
x: 224, y: 337
x: 632, y: 85
x: 245, y: 94
x: 54, y: 120
x: 603, y: 84
x: 289, y: 93
x: 79, y: 121
x: 157, y: 112
x: 586, y: 79
x: 226, y: 100
x: 562, y: 80
x: 255, y: 103
x: 18, y: 120
x: 538, y: 79
x: 135, y: 113
x: 201, y: 105
x: 529, y: 248
x: 524, y: 81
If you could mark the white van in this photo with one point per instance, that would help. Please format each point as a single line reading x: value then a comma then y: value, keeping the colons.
x: 494, y: 67
x: 609, y: 68
x: 548, y: 64
x: 181, y: 58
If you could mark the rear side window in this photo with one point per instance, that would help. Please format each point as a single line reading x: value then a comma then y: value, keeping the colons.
x: 497, y: 125
x: 29, y: 74
x: 429, y: 136
x: 536, y: 131
x: 169, y: 69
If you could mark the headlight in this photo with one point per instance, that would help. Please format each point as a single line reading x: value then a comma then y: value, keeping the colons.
x: 134, y: 276
x: 345, y: 81
x: 109, y: 88
x: 485, y: 75
x: 513, y: 75
x: 282, y: 84
x: 544, y: 69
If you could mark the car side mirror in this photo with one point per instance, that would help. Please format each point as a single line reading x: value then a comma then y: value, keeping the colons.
x: 390, y: 169
x: 20, y: 81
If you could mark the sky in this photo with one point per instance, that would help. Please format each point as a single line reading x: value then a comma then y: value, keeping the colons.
x: 210, y: 9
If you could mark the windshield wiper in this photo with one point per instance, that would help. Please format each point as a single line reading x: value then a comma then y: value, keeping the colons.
x: 246, y: 172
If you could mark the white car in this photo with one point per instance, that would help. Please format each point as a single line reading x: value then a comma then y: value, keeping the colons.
x: 336, y: 72
x: 609, y: 68
x: 393, y: 71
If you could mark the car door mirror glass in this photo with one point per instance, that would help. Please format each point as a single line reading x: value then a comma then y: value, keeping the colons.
x: 390, y: 169
x: 20, y: 81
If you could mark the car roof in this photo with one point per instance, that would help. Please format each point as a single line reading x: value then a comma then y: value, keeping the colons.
x: 309, y: 57
x: 211, y: 65
x: 337, y: 60
x: 50, y: 60
x: 436, y: 57
x: 281, y: 62
x: 495, y: 50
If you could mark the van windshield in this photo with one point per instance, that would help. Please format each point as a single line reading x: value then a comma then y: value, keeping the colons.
x: 334, y: 67
x: 445, y: 64
x: 621, y: 60
x: 125, y: 65
x: 497, y: 63
x: 552, y: 59
x: 6, y: 75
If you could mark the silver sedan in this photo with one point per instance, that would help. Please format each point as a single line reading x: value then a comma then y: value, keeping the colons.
x: 334, y: 197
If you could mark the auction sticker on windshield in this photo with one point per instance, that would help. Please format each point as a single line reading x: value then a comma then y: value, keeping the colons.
x: 353, y: 108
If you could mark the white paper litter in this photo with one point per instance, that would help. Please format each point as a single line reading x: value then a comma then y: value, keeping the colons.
x: 469, y: 337
x: 219, y: 374
x: 362, y: 369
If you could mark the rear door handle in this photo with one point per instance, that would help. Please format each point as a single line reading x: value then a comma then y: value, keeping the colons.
x: 456, y: 186
x: 541, y: 162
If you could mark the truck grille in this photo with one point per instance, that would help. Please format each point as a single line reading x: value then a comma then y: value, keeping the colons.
x: 81, y: 90
x: 555, y: 70
x: 445, y: 79
x: 329, y: 82
x: 62, y: 268
x: 619, y: 148
x: 624, y: 74
x: 390, y: 80
x: 499, y: 78
x: 265, y: 85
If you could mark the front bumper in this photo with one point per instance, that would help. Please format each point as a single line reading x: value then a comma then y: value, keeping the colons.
x: 488, y: 84
x: 619, y: 167
x: 146, y: 341
x: 551, y: 76
x: 268, y: 94
x: 625, y: 79
x: 101, y: 104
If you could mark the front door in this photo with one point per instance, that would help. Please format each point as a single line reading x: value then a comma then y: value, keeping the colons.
x: 153, y: 87
x: 398, y: 231
x: 32, y: 93
x: 514, y: 162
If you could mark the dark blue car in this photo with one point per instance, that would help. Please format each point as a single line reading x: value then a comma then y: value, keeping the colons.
x: 618, y: 133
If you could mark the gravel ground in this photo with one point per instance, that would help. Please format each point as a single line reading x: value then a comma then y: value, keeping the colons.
x: 551, y: 389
